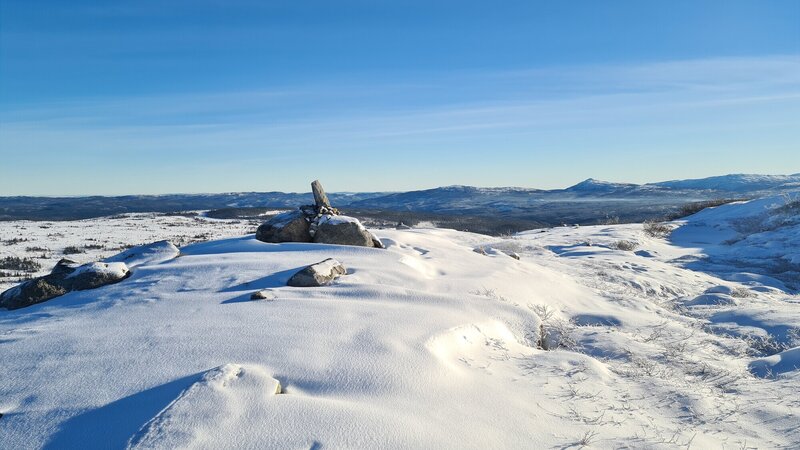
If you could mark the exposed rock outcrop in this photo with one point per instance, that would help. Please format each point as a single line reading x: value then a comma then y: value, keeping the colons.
x: 319, y: 223
x: 65, y: 277
x: 343, y: 230
x: 319, y: 274
x: 292, y: 226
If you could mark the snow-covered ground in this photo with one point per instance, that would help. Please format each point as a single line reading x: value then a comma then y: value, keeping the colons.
x: 601, y: 337
x: 93, y: 239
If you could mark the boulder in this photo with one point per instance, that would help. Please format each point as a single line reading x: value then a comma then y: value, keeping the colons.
x: 96, y: 274
x: 320, y: 197
x: 30, y: 293
x: 319, y: 274
x: 320, y: 223
x: 290, y: 226
x: 344, y: 230
x: 66, y: 276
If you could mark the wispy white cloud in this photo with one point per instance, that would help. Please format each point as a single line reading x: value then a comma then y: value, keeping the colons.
x: 678, y: 105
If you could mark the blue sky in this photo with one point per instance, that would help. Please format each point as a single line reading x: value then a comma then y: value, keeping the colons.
x: 211, y: 95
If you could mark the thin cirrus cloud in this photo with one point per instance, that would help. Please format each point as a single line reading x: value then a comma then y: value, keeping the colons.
x: 605, y: 116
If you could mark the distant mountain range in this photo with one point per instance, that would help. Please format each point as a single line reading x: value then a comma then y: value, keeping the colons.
x: 581, y: 203
x: 510, y: 200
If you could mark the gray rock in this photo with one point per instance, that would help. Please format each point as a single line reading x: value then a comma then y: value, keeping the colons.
x: 320, y: 197
x: 319, y: 274
x: 376, y: 242
x: 290, y: 226
x: 64, y: 267
x: 96, y: 274
x: 264, y: 294
x: 66, y: 276
x: 31, y: 292
x: 344, y: 230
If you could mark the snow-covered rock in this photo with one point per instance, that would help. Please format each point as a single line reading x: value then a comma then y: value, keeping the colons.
x: 319, y: 274
x: 291, y: 226
x: 96, y: 274
x: 66, y: 276
x: 344, y: 230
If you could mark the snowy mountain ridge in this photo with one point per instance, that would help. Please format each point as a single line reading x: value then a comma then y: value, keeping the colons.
x: 488, y: 201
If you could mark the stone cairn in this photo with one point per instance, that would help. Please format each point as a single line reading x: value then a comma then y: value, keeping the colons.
x: 320, y: 223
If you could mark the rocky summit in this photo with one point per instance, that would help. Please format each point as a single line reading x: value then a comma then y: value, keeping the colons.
x: 320, y: 223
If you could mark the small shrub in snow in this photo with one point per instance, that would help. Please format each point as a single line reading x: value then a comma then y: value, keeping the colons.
x: 793, y: 206
x: 587, y: 439
x: 13, y: 241
x: 695, y: 207
x: 72, y: 250
x: 610, y: 220
x: 20, y: 264
x: 544, y: 312
x: 557, y: 334
x: 790, y: 204
x: 490, y: 293
x: 657, y: 229
x: 626, y: 246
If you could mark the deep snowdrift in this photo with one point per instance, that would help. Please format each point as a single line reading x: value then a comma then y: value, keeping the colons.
x: 426, y: 344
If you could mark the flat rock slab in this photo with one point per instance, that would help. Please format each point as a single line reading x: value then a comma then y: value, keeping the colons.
x: 319, y: 274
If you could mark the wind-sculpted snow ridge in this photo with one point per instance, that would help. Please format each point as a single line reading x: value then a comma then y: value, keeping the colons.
x: 599, y: 336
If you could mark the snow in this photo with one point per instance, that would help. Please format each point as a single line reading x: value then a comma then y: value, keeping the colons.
x: 115, y: 270
x: 45, y: 242
x: 426, y: 344
x: 785, y: 361
x: 146, y: 254
x: 742, y: 183
x: 339, y: 220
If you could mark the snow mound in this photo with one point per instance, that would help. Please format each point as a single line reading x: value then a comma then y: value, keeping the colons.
x: 214, y: 404
x: 472, y: 345
x: 779, y: 364
x: 146, y: 254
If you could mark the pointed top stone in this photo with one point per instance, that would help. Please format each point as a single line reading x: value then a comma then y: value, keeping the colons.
x: 320, y: 198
